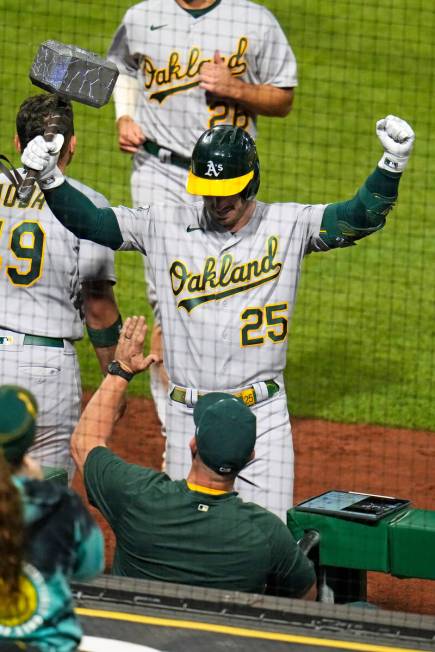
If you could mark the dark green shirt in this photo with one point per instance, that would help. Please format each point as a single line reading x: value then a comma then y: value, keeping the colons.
x: 165, y: 531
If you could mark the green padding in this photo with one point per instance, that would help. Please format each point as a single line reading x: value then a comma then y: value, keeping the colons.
x: 345, y: 543
x: 53, y: 473
x: 412, y: 544
x: 402, y: 544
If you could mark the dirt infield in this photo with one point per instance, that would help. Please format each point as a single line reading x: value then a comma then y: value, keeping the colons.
x: 370, y: 459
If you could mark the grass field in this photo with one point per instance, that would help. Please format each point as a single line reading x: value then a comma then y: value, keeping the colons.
x: 362, y: 339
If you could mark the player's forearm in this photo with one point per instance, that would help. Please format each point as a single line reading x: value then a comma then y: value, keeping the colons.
x: 99, y: 304
x: 104, y: 356
x: 80, y: 216
x: 262, y: 99
x: 103, y: 321
x: 345, y: 222
x: 96, y: 424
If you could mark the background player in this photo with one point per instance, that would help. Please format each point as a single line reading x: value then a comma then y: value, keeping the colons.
x: 185, y: 66
x: 49, y: 281
x: 226, y: 272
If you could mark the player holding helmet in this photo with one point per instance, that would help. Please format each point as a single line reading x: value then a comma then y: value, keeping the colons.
x: 226, y: 273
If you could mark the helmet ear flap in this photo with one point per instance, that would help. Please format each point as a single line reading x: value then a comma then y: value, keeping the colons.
x: 251, y: 189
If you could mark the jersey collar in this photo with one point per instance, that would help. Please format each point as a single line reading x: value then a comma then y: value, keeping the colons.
x: 197, y: 13
x: 206, y: 223
x: 205, y: 490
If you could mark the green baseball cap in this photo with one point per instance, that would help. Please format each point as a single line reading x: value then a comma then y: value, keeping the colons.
x: 18, y: 409
x: 225, y: 432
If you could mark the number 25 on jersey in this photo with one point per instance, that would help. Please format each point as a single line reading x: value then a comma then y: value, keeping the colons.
x: 262, y: 324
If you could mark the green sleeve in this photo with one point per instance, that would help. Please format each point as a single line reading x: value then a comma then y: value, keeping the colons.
x: 79, y: 215
x: 293, y: 573
x: 111, y: 482
x: 345, y: 222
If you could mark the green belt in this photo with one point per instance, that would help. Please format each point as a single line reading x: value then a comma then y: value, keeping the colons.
x: 40, y: 340
x: 176, y: 159
x: 247, y: 395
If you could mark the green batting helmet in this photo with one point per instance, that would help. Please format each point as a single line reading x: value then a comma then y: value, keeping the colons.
x: 224, y: 162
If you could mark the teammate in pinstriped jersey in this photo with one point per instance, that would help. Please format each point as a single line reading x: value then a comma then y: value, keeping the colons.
x: 50, y: 282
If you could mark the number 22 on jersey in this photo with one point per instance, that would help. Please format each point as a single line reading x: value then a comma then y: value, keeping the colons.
x: 262, y: 324
x: 27, y: 244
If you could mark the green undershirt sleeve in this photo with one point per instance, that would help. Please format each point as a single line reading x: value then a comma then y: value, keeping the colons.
x: 345, y: 222
x: 80, y: 216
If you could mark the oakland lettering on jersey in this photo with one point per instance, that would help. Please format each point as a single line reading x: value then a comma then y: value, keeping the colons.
x: 225, y: 277
x: 175, y: 71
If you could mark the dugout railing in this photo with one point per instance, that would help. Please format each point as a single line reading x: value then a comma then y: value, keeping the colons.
x: 176, y: 617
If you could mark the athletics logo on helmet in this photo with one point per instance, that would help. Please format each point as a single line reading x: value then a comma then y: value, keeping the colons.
x: 224, y: 162
x: 211, y: 170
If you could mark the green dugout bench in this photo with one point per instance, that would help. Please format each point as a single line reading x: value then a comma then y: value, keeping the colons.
x: 343, y: 550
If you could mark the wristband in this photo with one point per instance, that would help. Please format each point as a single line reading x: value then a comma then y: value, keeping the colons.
x: 53, y: 180
x: 392, y: 162
x: 104, y: 337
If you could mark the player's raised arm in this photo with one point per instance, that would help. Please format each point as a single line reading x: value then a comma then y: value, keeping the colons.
x: 345, y: 222
x: 71, y: 207
x: 103, y: 321
x: 99, y: 417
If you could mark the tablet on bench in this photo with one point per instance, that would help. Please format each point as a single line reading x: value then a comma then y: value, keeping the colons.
x: 354, y: 506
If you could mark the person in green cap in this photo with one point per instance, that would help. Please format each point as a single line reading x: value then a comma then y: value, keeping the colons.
x: 193, y: 531
x: 47, y: 537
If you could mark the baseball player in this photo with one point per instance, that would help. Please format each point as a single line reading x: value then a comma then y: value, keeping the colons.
x: 226, y: 272
x: 186, y: 66
x: 49, y: 281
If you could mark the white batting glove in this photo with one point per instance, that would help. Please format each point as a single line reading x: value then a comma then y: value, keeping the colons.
x: 43, y: 156
x: 397, y: 138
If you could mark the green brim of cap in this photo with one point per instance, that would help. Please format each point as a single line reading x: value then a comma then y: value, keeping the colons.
x: 217, y: 187
x: 18, y: 410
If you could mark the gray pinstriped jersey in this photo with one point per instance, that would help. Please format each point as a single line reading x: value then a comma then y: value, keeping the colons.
x: 163, y: 46
x: 225, y: 299
x: 43, y: 266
